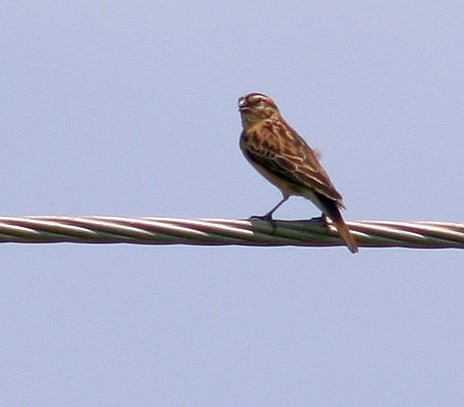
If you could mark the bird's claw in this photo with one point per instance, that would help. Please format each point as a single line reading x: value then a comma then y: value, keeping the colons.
x: 266, y: 217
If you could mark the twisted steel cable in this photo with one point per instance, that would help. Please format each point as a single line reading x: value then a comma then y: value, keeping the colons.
x: 164, y: 231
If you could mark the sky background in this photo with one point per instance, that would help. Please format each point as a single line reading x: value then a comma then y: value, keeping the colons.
x: 130, y: 109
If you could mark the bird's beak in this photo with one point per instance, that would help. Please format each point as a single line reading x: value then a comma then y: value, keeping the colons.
x: 242, y: 104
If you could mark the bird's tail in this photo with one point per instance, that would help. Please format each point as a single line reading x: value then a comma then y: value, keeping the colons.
x: 346, y: 234
x: 331, y: 210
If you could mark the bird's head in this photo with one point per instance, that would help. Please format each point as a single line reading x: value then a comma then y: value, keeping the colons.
x: 256, y: 107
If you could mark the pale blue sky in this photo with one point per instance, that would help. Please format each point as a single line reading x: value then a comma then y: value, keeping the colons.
x: 129, y: 109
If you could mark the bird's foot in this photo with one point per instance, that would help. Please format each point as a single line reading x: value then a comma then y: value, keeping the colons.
x: 267, y: 217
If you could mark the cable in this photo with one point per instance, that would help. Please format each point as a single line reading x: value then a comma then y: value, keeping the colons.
x: 221, y: 232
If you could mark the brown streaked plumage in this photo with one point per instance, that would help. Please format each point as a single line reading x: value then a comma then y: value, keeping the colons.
x: 284, y: 159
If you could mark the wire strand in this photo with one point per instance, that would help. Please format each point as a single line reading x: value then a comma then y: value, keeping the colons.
x: 221, y: 232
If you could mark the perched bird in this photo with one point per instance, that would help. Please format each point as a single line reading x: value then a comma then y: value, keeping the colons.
x: 280, y: 154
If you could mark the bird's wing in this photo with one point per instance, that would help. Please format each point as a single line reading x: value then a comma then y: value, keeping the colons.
x: 282, y: 152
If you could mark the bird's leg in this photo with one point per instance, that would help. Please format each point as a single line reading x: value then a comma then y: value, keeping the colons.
x: 271, y: 212
x: 268, y: 215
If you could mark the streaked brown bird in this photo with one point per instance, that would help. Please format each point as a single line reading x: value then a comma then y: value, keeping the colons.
x: 279, y: 154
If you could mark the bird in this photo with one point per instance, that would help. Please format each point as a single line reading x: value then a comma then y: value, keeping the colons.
x: 284, y: 158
